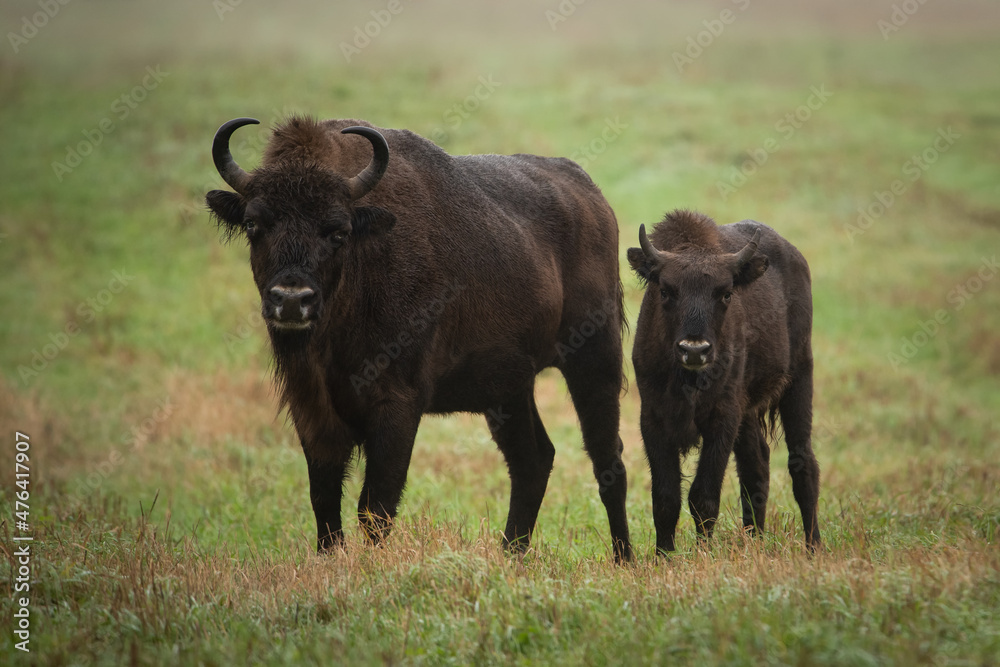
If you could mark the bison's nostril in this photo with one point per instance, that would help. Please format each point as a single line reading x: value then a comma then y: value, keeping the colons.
x: 292, y: 301
x: 694, y: 347
x: 283, y: 293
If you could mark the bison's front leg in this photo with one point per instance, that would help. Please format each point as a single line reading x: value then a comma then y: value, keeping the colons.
x: 387, y: 448
x: 665, y: 470
x: 753, y: 465
x: 718, y: 436
x: 326, y: 486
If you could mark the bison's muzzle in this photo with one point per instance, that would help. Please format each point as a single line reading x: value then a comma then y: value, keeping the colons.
x: 694, y: 355
x: 289, y: 305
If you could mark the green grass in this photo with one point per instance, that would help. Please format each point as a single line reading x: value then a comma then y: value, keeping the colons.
x: 192, y: 542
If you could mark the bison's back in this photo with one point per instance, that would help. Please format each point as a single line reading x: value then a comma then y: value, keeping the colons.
x: 556, y: 204
x: 779, y: 303
x: 527, y: 245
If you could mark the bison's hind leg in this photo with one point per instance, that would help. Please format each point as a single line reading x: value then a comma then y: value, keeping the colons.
x: 795, y: 408
x: 594, y: 379
x: 518, y: 432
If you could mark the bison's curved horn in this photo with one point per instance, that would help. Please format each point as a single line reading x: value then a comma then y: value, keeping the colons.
x: 224, y: 162
x: 744, y: 255
x: 647, y: 247
x: 364, y: 182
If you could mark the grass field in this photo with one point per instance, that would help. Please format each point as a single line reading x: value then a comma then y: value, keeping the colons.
x: 168, y: 499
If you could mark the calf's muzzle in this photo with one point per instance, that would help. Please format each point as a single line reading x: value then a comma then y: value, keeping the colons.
x: 694, y: 354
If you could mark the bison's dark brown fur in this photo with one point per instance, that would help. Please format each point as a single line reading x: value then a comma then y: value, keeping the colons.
x: 723, y: 342
x: 444, y: 285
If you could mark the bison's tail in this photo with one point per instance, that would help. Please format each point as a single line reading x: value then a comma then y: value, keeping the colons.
x: 623, y: 329
x: 623, y: 325
x: 769, y: 424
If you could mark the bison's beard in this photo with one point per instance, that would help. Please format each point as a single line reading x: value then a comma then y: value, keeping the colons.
x: 291, y: 356
x: 289, y: 340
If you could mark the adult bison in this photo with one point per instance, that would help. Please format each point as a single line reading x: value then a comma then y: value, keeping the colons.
x: 411, y: 282
x: 722, y: 343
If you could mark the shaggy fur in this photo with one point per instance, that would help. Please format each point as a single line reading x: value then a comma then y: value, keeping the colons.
x: 756, y: 317
x: 446, y: 288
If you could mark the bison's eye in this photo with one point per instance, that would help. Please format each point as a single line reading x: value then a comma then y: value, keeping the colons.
x: 664, y: 294
x: 249, y: 225
x: 335, y: 236
x: 727, y: 297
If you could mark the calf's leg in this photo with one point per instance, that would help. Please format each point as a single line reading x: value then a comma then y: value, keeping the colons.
x: 665, y: 470
x: 795, y: 408
x: 753, y: 460
x: 718, y: 437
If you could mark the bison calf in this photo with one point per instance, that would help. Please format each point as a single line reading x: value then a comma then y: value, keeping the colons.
x: 722, y: 344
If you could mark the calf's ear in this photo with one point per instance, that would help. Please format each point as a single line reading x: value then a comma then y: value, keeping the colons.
x: 228, y: 209
x: 751, y: 270
x: 371, y: 220
x: 641, y: 264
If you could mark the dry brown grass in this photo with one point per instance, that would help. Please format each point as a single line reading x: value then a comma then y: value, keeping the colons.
x: 152, y: 584
x: 239, y: 405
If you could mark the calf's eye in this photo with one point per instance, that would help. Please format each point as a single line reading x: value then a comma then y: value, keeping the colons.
x: 663, y: 293
x: 727, y: 297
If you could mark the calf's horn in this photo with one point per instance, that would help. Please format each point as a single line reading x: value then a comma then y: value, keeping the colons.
x: 646, y: 245
x: 744, y: 255
x: 363, y: 183
x: 224, y: 162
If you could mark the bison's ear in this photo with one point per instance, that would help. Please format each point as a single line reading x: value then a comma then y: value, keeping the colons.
x: 228, y: 210
x: 641, y: 264
x: 371, y: 220
x: 753, y: 269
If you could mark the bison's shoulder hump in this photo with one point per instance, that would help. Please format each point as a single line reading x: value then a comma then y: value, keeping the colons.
x: 779, y: 250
